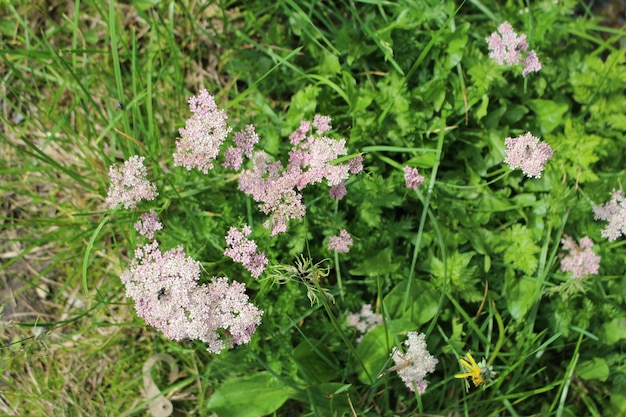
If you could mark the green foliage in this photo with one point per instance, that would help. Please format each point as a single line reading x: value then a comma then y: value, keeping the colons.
x: 471, y: 259
x: 519, y: 249
x: 372, y: 194
x: 578, y: 161
x: 458, y: 274
x: 232, y: 398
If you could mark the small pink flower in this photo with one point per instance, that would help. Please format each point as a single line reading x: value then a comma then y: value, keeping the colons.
x: 203, y: 134
x: 340, y: 243
x: 167, y: 296
x: 527, y: 153
x: 531, y: 63
x: 356, y: 164
x: 615, y: 213
x: 244, y: 145
x: 581, y: 260
x: 507, y: 47
x: 412, y: 178
x: 364, y: 321
x: 338, y: 191
x: 415, y: 363
x: 278, y: 189
x: 148, y: 224
x: 321, y: 123
x: 300, y: 134
x: 243, y: 250
x: 129, y: 184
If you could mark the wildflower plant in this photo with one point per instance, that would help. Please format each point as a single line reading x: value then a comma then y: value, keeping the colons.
x: 130, y: 184
x: 481, y: 373
x: 580, y: 263
x: 201, y: 138
x: 507, y: 47
x: 528, y: 153
x: 305, y: 272
x: 614, y: 212
x: 341, y: 243
x: 238, y: 201
x: 415, y: 363
x: 364, y: 320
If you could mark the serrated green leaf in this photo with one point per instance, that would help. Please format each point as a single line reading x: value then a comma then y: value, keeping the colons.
x: 520, y: 249
x: 457, y: 274
x: 577, y: 152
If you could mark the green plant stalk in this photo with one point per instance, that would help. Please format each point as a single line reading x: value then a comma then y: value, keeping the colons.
x: 426, y: 205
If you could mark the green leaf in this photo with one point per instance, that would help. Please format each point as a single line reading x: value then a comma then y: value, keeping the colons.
x: 432, y: 93
x: 375, y: 348
x: 577, y: 152
x: 457, y: 274
x: 144, y: 5
x: 617, y: 121
x: 302, y: 106
x: 480, y: 111
x: 549, y: 113
x: 597, y: 368
x: 613, y: 331
x: 457, y: 45
x: 618, y: 399
x: 249, y: 396
x: 520, y: 295
x: 423, y: 302
x: 329, y: 396
x: 519, y: 249
x: 514, y: 113
x: 330, y: 64
x: 380, y: 264
x: 376, y: 193
x: 314, y: 362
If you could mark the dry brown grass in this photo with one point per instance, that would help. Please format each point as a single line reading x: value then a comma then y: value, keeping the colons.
x: 66, y: 351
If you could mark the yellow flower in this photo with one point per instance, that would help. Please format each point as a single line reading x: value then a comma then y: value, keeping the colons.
x: 480, y: 373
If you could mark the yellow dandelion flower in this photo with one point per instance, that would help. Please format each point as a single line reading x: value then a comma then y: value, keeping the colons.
x: 480, y: 373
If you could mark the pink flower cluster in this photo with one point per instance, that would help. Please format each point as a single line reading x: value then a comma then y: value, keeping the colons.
x: 614, y: 212
x: 244, y: 145
x: 527, y: 153
x: 341, y: 243
x: 165, y: 289
x: 506, y: 47
x: 580, y: 261
x: 243, y: 250
x: 415, y: 363
x: 412, y: 178
x: 203, y: 134
x: 129, y: 184
x: 148, y: 224
x: 364, y: 321
x: 277, y: 189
